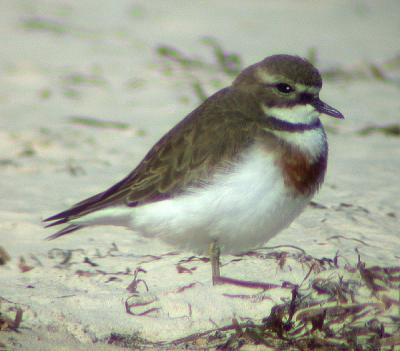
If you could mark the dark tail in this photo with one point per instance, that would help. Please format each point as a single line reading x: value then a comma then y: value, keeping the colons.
x: 58, y: 219
x: 80, y: 209
x: 62, y: 217
x: 69, y: 229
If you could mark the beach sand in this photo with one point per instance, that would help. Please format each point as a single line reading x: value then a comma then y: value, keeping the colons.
x: 85, y: 91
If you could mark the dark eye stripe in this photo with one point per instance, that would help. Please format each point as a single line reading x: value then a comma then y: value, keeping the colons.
x: 306, y: 98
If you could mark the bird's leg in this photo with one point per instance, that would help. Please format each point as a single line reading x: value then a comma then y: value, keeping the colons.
x: 214, y: 253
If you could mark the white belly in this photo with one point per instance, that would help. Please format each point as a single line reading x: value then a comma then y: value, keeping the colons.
x: 241, y: 210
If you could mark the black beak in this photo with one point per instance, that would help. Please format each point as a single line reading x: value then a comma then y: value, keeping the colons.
x: 324, y: 108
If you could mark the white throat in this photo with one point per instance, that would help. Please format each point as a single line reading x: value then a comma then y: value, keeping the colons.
x: 312, y: 141
x: 305, y: 114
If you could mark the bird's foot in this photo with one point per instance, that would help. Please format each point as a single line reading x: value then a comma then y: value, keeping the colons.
x: 243, y: 283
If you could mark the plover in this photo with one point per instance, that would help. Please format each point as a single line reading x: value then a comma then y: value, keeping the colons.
x: 232, y: 174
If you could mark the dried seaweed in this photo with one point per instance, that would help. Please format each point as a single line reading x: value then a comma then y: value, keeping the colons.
x: 392, y: 130
x: 325, y: 316
x: 223, y: 66
x: 4, y: 256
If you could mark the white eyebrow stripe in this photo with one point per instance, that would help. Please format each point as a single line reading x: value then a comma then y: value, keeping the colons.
x: 267, y: 78
x: 307, y: 88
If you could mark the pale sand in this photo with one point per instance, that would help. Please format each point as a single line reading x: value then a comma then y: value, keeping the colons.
x: 48, y: 163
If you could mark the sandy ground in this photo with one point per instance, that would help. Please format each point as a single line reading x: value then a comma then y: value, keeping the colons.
x: 63, y: 62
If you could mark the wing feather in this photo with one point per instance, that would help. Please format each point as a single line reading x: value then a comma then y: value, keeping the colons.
x: 185, y: 156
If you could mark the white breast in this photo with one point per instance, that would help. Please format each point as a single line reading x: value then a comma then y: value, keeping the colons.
x: 241, y: 210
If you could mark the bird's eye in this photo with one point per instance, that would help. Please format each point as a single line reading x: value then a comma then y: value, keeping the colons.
x: 284, y: 88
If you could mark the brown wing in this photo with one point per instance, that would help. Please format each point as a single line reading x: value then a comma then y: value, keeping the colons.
x: 187, y: 155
